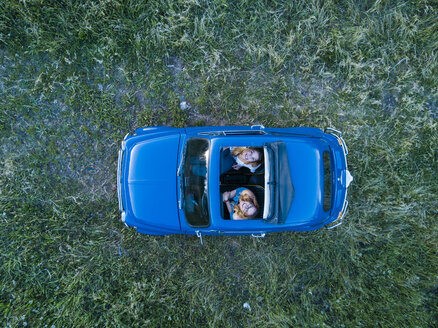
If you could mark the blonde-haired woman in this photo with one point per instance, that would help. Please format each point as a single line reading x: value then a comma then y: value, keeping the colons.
x: 250, y: 157
x: 237, y: 157
x: 241, y: 204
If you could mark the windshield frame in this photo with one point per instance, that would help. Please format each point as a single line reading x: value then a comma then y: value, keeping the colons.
x: 197, y: 216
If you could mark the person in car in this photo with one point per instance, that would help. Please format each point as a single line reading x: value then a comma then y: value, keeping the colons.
x: 241, y: 204
x: 250, y: 157
x: 237, y: 157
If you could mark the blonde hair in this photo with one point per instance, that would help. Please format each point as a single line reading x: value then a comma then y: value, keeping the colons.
x: 241, y: 150
x: 246, y: 198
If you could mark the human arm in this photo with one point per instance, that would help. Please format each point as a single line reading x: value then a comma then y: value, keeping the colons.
x: 229, y: 206
x: 226, y: 197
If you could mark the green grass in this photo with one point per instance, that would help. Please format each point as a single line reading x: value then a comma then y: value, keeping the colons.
x: 76, y: 76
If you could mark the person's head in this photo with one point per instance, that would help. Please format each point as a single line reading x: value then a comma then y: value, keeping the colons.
x: 249, y: 155
x: 247, y: 207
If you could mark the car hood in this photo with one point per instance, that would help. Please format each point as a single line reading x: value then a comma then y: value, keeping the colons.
x: 151, y: 183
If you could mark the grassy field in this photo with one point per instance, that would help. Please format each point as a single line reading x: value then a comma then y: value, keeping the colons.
x: 75, y: 76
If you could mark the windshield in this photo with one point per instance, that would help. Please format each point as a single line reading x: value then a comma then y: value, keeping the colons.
x: 194, y: 182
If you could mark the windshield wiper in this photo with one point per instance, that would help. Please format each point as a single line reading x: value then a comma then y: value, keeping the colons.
x: 180, y: 169
x: 178, y: 172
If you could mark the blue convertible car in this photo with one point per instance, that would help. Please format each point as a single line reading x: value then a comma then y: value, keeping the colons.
x: 232, y: 180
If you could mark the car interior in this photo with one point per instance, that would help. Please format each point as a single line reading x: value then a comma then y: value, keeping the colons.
x: 232, y: 179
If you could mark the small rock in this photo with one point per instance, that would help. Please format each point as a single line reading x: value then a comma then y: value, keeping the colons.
x: 183, y: 105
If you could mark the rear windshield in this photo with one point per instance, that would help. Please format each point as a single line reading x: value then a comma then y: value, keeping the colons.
x: 327, y: 202
x: 194, y: 182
